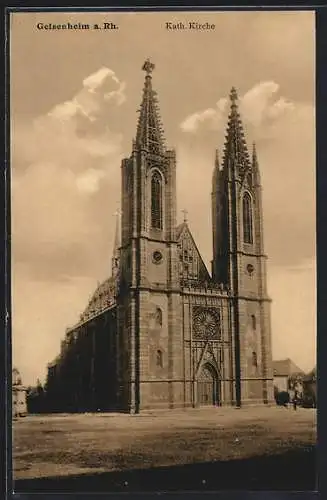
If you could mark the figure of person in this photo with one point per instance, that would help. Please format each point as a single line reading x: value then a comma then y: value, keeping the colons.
x: 295, y: 400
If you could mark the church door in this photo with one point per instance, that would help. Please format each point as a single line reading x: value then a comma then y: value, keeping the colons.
x: 208, y: 386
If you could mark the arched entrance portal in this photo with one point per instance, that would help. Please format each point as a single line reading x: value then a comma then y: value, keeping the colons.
x: 208, y: 390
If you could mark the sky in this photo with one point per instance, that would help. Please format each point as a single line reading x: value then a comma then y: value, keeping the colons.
x: 74, y: 101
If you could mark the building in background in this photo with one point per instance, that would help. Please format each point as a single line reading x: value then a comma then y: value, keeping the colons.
x: 287, y: 376
x: 163, y: 332
x: 310, y: 389
x: 19, y: 405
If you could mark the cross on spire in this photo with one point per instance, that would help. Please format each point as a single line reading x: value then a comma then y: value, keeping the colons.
x: 185, y: 212
x: 148, y: 66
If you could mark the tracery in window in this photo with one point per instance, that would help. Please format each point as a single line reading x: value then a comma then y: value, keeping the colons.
x: 247, y: 219
x: 156, y: 201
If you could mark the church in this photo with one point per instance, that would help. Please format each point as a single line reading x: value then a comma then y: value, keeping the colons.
x: 162, y: 332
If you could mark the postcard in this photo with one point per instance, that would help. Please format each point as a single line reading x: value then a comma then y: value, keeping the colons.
x: 163, y: 258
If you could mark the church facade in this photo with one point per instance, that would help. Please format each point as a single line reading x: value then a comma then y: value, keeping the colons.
x: 163, y: 332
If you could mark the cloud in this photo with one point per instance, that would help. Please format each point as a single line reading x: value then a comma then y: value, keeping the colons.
x: 284, y: 131
x: 89, y: 181
x: 258, y: 106
x: 213, y: 116
x: 99, y: 87
x: 261, y: 103
x: 60, y: 161
x: 64, y: 164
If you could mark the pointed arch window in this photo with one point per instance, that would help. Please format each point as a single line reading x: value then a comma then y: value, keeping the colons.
x: 158, y: 316
x: 247, y: 219
x: 159, y: 359
x: 253, y: 322
x: 156, y: 201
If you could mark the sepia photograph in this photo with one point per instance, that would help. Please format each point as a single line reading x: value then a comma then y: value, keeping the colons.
x: 163, y: 251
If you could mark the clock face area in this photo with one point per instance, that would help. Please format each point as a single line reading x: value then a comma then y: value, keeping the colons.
x: 157, y: 257
x: 206, y: 324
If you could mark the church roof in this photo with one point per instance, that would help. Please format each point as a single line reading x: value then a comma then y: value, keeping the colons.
x: 285, y: 368
x: 102, y: 298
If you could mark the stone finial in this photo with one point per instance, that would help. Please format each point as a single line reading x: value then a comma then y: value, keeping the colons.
x: 233, y: 95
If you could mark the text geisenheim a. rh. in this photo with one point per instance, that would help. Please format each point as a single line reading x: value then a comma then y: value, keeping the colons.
x: 77, y: 26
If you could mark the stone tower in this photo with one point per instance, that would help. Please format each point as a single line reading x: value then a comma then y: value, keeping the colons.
x: 148, y: 300
x: 239, y: 260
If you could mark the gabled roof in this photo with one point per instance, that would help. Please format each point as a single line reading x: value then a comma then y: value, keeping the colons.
x: 286, y: 367
x: 181, y: 231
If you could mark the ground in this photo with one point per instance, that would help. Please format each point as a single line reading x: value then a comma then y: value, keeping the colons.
x: 195, y: 449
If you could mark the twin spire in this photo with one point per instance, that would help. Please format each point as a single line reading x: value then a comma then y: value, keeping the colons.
x: 235, y: 148
x: 150, y: 134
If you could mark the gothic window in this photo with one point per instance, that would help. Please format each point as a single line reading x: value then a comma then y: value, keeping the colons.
x: 253, y: 322
x: 159, y: 360
x: 156, y: 201
x: 254, y: 359
x: 158, y: 316
x: 247, y: 219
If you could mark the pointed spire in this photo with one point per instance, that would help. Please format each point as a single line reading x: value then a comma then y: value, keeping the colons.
x: 149, y: 133
x: 235, y: 144
x: 255, y: 164
x: 216, y: 170
x: 116, y: 247
x: 254, y: 155
x: 217, y: 166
